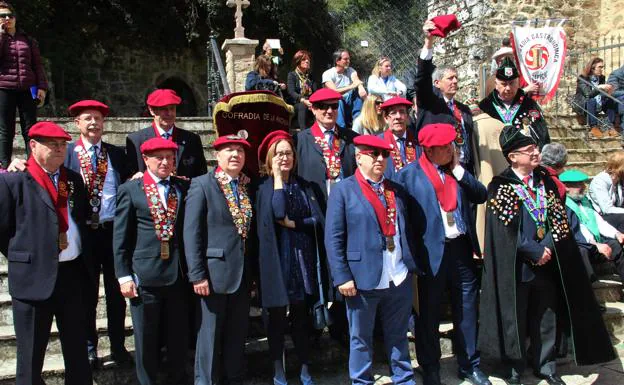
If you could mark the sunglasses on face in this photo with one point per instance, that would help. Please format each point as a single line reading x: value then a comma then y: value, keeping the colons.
x: 324, y: 107
x: 375, y: 153
x: 378, y: 102
x: 6, y: 16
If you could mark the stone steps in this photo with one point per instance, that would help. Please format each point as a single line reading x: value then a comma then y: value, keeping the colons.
x: 8, y: 342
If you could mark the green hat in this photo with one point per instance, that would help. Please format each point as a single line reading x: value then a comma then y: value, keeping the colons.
x: 573, y: 176
x: 507, y: 70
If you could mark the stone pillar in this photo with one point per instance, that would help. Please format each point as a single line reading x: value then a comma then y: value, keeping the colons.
x: 239, y: 60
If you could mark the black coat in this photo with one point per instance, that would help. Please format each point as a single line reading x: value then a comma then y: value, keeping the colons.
x: 584, y: 92
x: 311, y: 165
x: 214, y: 249
x: 529, y: 110
x: 294, y: 87
x: 29, y: 233
x: 272, y: 286
x: 498, y: 334
x: 432, y: 108
x: 135, y: 245
x: 190, y: 158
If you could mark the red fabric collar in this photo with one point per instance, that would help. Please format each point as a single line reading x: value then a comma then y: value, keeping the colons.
x: 446, y: 191
x: 386, y: 216
x: 59, y: 198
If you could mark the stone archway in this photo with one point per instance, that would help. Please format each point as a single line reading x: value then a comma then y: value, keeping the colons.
x: 188, y: 107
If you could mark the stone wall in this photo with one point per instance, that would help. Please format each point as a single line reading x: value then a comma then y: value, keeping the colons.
x: 486, y: 22
x: 123, y: 78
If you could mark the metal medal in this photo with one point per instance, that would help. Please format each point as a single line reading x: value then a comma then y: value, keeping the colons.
x: 390, y: 243
x: 95, y: 220
x: 450, y: 218
x: 541, y: 232
x: 164, y: 249
x: 62, y: 241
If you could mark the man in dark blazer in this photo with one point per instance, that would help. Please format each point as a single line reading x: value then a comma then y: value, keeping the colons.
x: 216, y: 231
x: 42, y: 214
x: 326, y: 155
x: 325, y: 150
x: 370, y: 247
x: 103, y: 168
x: 403, y: 143
x: 445, y: 191
x: 435, y: 91
x: 190, y: 159
x: 150, y: 263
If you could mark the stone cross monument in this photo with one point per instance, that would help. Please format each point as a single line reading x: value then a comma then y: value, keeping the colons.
x: 239, y: 52
x: 239, y: 31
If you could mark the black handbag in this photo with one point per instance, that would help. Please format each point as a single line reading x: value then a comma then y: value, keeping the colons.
x: 320, y: 312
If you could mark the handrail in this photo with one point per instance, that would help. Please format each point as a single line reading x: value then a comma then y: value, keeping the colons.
x: 592, y: 85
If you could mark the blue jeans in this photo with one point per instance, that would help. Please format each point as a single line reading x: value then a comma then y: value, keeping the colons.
x: 608, y: 106
x: 349, y: 108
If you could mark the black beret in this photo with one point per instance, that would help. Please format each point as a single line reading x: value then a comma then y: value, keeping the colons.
x: 511, y: 138
x: 507, y: 70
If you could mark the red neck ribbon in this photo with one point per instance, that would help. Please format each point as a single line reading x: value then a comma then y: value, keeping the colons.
x: 59, y: 198
x: 446, y: 191
x: 331, y: 151
x: 386, y: 216
x: 410, y: 149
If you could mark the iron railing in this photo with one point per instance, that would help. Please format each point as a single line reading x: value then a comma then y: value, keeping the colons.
x: 216, y: 81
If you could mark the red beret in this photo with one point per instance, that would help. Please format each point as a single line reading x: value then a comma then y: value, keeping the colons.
x: 445, y: 24
x: 396, y: 101
x: 325, y: 94
x: 163, y: 97
x: 48, y: 129
x: 371, y: 141
x: 230, y: 139
x: 156, y: 144
x: 77, y: 108
x: 436, y: 134
x: 268, y: 140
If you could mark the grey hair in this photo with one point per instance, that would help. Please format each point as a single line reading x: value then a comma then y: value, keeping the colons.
x: 439, y: 72
x: 554, y: 155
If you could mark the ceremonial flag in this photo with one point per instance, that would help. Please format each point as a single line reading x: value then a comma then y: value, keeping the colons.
x: 540, y: 54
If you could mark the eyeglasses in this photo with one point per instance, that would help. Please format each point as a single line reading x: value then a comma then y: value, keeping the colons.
x: 6, y: 15
x: 378, y: 102
x: 53, y: 144
x: 324, y: 107
x: 375, y: 153
x: 285, y: 154
x: 528, y: 152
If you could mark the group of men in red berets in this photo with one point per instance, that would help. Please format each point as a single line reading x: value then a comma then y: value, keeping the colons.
x: 166, y: 233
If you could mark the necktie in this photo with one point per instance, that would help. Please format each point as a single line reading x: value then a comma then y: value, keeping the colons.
x: 458, y: 122
x: 166, y: 185
x: 329, y: 134
x: 94, y: 152
x: 234, y: 185
x: 527, y: 182
x: 54, y: 177
x: 401, y: 142
x: 377, y: 188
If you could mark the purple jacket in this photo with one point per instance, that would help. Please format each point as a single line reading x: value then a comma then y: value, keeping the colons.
x: 20, y: 63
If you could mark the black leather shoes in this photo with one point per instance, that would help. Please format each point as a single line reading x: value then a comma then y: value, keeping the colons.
x: 552, y: 379
x: 431, y: 377
x: 94, y: 362
x: 514, y: 379
x: 477, y: 377
x: 121, y: 357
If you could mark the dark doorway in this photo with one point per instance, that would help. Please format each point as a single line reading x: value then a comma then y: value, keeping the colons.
x: 188, y: 107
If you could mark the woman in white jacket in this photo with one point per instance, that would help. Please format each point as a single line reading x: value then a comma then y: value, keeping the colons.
x: 383, y: 83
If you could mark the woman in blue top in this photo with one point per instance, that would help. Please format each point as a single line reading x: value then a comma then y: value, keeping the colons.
x: 290, y: 223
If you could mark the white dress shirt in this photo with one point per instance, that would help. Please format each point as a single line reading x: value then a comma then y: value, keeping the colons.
x: 74, y: 244
x: 393, y: 269
x: 109, y: 192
